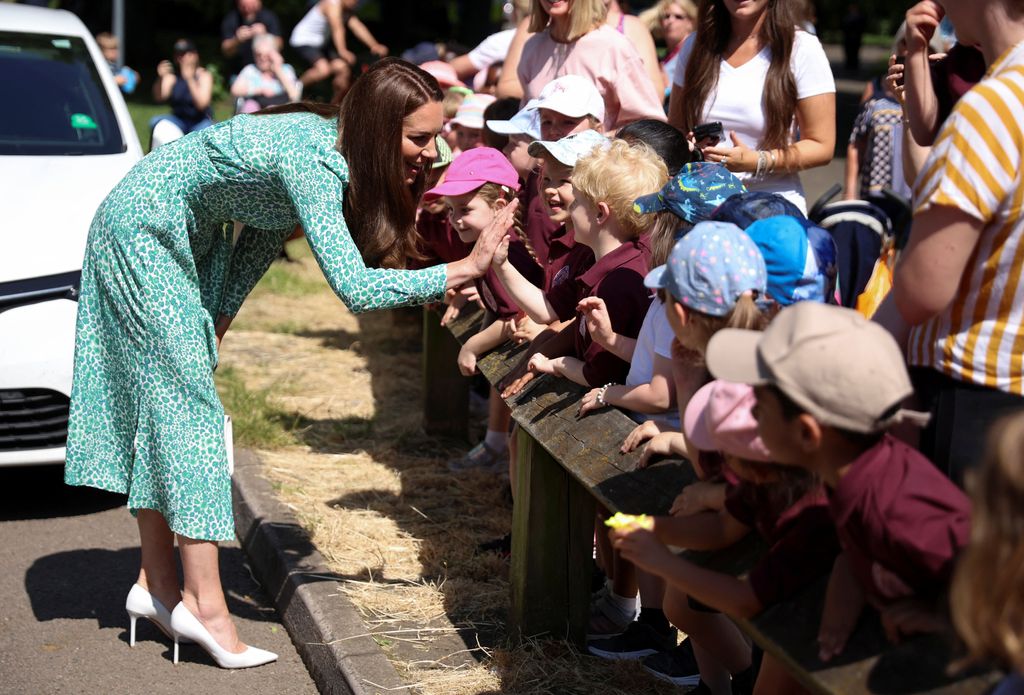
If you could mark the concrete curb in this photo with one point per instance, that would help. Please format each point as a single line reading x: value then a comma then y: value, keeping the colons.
x: 326, y: 628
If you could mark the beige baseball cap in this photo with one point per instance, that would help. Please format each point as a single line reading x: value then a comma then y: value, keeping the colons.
x: 844, y: 370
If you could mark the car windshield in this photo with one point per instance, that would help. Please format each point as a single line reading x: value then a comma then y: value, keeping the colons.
x: 54, y: 102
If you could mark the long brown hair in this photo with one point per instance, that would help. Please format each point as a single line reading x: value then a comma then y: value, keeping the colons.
x: 380, y: 209
x: 714, y: 27
x: 986, y: 598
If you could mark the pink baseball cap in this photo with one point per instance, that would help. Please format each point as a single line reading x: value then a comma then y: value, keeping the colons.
x: 444, y: 73
x: 719, y: 417
x: 472, y: 169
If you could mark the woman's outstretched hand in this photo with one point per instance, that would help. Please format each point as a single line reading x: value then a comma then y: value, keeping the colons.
x: 488, y: 241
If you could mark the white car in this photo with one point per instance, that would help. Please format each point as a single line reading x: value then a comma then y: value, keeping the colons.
x: 66, y: 139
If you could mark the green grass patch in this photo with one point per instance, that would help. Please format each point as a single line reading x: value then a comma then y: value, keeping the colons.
x: 256, y: 421
x: 284, y: 280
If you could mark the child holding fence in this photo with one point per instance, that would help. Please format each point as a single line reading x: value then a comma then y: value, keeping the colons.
x: 786, y: 506
x: 829, y: 385
x: 477, y: 186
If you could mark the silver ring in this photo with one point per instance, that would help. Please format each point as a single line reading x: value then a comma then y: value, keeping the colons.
x: 725, y: 160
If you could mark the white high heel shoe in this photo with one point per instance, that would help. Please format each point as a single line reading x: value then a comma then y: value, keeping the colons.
x: 184, y: 624
x: 142, y: 604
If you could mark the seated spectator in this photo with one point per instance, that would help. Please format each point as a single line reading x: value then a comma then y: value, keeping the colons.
x: 986, y: 596
x: 829, y: 385
x: 188, y: 88
x: 320, y: 38
x: 240, y: 26
x: 126, y: 78
x: 785, y: 505
x: 268, y: 81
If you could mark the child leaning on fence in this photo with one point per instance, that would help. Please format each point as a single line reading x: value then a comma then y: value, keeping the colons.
x: 829, y: 385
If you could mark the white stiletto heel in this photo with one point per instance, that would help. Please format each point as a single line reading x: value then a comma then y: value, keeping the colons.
x: 184, y: 624
x: 142, y: 604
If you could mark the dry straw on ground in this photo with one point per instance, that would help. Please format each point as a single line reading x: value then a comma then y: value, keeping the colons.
x: 332, y: 402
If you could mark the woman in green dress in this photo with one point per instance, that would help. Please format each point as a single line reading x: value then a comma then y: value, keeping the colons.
x: 161, y: 280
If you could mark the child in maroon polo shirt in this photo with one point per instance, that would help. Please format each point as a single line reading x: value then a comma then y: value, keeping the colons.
x: 785, y: 505
x: 829, y: 384
x: 604, y: 185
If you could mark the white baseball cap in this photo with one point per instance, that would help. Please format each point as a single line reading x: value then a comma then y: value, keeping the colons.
x: 525, y: 122
x: 571, y: 95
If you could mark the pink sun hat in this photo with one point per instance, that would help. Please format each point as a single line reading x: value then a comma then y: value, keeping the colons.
x: 472, y: 169
x: 720, y: 417
x: 444, y: 73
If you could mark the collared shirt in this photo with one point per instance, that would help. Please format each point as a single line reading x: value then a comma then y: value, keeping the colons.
x: 618, y: 279
x: 900, y: 521
x: 976, y: 167
x: 801, y: 537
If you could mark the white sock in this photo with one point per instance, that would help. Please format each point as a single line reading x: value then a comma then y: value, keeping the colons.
x: 624, y: 605
x: 496, y: 440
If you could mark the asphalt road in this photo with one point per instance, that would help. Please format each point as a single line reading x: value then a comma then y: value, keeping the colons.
x: 68, y: 557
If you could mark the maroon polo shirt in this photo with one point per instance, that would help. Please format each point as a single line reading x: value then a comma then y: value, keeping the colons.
x: 801, y: 537
x: 560, y: 249
x: 900, y: 521
x: 564, y: 292
x: 537, y: 224
x: 439, y: 242
x: 494, y: 295
x: 618, y: 279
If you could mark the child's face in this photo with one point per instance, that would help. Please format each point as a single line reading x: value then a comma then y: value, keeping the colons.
x: 752, y: 471
x: 470, y: 215
x: 583, y: 215
x: 109, y: 51
x: 516, y: 153
x: 780, y: 435
x: 555, y: 126
x: 466, y: 138
x: 556, y: 181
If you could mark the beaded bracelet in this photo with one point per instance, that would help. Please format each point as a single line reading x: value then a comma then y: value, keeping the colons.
x: 600, y: 394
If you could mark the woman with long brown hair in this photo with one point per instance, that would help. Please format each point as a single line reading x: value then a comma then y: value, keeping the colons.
x: 768, y: 83
x: 162, y: 279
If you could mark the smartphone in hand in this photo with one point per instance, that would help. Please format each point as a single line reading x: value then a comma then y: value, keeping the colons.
x: 710, y: 133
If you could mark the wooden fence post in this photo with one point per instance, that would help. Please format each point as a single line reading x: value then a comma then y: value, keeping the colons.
x: 552, y: 545
x: 445, y: 390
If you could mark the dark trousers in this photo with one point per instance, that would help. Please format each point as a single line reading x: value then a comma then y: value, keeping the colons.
x: 962, y: 414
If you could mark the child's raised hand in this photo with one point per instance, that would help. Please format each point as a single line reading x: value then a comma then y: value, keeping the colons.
x: 639, y: 435
x: 599, y: 323
x: 467, y: 362
x: 540, y: 364
x: 844, y: 602
x: 496, y: 233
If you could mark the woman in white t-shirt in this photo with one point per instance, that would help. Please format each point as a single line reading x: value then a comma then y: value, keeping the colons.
x: 751, y: 69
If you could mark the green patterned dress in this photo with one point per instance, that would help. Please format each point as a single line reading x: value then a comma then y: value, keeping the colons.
x: 160, y: 266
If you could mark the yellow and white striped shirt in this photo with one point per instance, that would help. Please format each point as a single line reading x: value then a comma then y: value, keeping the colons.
x: 976, y: 166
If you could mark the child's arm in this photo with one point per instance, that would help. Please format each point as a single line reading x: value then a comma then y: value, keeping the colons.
x: 558, y: 339
x: 844, y: 602
x: 701, y: 531
x: 699, y: 496
x: 654, y: 397
x: 720, y: 591
x: 489, y: 338
x: 569, y: 367
x: 361, y: 32
x: 664, y: 444
x: 599, y: 324
x: 528, y: 296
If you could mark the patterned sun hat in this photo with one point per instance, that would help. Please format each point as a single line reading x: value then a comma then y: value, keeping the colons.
x: 710, y: 268
x: 694, y: 193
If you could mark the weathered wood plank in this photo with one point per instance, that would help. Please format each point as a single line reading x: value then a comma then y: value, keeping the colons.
x: 445, y: 390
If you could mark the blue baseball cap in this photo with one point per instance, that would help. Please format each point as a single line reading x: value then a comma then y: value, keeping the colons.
x: 570, y: 148
x: 826, y: 255
x: 693, y: 193
x: 526, y: 122
x: 795, y: 270
x: 710, y: 268
x: 745, y: 209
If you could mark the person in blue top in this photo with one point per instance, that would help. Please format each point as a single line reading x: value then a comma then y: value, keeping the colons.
x: 162, y: 280
x: 187, y: 87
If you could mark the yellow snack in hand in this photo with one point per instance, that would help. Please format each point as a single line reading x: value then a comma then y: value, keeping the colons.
x: 620, y: 521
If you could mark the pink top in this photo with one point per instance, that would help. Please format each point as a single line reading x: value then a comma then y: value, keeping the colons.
x: 605, y: 57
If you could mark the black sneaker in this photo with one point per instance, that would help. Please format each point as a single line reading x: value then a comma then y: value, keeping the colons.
x: 677, y: 665
x: 639, y: 640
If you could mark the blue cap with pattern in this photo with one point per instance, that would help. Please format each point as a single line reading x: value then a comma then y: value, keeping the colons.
x: 693, y: 193
x: 710, y: 268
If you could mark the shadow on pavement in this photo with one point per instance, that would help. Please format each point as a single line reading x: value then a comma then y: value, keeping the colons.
x: 39, y: 492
